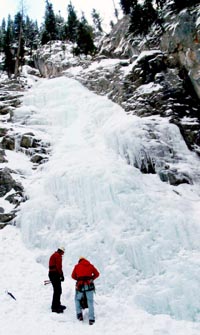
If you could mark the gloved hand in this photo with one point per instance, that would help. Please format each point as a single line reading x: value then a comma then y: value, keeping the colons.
x: 62, y: 278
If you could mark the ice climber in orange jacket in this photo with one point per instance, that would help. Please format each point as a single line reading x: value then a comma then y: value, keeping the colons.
x: 84, y: 273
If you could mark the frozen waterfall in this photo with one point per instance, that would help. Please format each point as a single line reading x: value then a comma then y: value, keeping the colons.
x: 142, y: 234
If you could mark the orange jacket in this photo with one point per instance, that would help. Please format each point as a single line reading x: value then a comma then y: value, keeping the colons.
x: 84, y: 271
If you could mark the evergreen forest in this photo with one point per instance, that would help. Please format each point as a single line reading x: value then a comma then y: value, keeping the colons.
x: 21, y: 36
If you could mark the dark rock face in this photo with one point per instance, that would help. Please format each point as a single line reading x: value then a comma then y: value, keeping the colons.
x: 8, y: 142
x: 3, y: 131
x: 38, y: 159
x: 153, y: 86
x: 182, y: 41
x: 7, y: 183
x: 26, y: 141
x: 2, y: 156
x: 11, y: 190
x: 6, y: 218
x: 175, y: 67
x: 172, y: 96
x: 16, y: 198
x: 174, y: 178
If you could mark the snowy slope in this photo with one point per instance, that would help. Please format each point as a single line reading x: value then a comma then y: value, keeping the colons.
x: 142, y: 234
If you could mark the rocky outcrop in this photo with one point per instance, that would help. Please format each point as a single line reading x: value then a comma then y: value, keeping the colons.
x: 13, y: 192
x: 182, y: 40
x: 6, y: 218
x: 119, y: 43
x: 11, y: 189
x: 3, y: 156
x: 8, y: 142
x: 163, y: 72
x: 151, y: 84
x: 7, y: 183
x: 53, y: 58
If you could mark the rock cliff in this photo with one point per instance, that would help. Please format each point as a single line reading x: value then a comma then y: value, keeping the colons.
x: 155, y: 75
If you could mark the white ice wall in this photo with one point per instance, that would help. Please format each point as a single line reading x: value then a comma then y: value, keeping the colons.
x: 141, y: 233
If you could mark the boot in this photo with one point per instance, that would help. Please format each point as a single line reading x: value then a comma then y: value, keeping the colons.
x: 63, y: 307
x: 91, y: 322
x: 80, y: 317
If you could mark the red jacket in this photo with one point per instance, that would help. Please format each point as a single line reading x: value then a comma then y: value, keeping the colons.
x: 55, y: 263
x: 84, y: 271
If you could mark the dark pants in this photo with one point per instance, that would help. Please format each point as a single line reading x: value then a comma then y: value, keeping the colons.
x: 57, y: 289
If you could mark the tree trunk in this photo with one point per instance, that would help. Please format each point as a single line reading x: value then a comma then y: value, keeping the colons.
x: 17, y: 62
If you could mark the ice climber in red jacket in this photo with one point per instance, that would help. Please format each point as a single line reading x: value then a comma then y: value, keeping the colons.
x: 84, y: 273
x: 56, y: 277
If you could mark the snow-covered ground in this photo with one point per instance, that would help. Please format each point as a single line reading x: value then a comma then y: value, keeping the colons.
x: 143, y: 235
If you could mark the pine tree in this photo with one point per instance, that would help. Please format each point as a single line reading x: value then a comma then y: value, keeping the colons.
x: 97, y: 22
x: 181, y: 4
x: 18, y: 21
x: 85, y: 44
x: 149, y: 15
x: 160, y: 13
x: 50, y: 29
x: 2, y: 33
x: 19, y: 37
x: 136, y: 18
x: 60, y: 24
x: 31, y: 33
x: 9, y: 63
x: 142, y: 17
x: 72, y: 23
x: 160, y: 3
x: 126, y: 6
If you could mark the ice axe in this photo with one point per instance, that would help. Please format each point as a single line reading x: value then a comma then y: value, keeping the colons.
x: 11, y: 295
x: 47, y: 282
